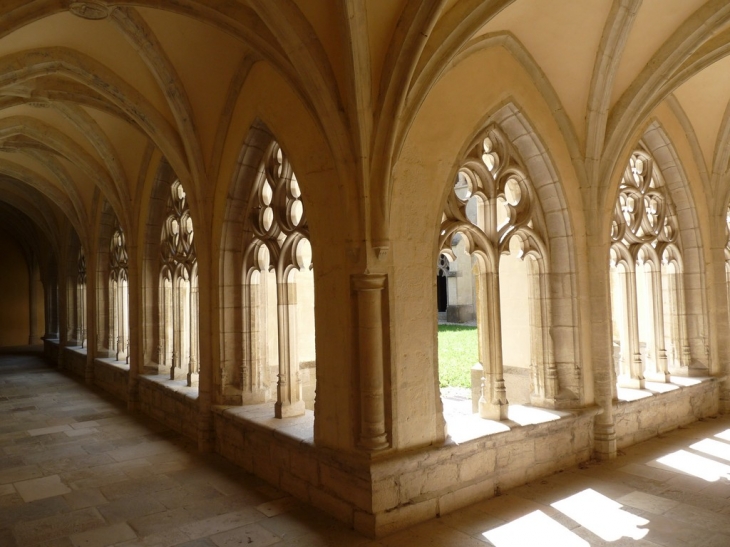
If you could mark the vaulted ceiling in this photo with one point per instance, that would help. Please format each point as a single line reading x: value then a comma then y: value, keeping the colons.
x: 89, y: 89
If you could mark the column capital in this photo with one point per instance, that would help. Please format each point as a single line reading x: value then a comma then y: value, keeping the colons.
x: 368, y: 281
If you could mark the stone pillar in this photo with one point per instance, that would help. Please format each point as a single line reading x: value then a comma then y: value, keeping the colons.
x: 599, y: 333
x: 369, y: 289
x: 193, y: 366
x: 289, y: 400
x: 493, y: 404
x: 32, y: 302
x: 89, y: 340
x: 636, y: 375
x: 657, y: 292
x: 135, y: 351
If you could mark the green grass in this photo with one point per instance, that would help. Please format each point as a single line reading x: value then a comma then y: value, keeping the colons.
x: 458, y: 352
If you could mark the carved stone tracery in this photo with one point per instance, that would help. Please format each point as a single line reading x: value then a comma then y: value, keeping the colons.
x: 646, y: 269
x: 81, y: 299
x: 278, y: 241
x: 179, y: 289
x: 493, y: 206
x: 119, y: 294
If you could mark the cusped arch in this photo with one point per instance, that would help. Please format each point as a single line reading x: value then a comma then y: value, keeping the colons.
x: 658, y: 143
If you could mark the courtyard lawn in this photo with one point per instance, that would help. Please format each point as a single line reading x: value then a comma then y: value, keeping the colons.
x: 458, y: 352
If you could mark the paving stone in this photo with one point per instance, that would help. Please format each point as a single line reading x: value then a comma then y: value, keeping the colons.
x: 57, y: 526
x: 251, y: 535
x: 102, y: 537
x: 79, y: 499
x: 45, y: 487
x: 130, y: 508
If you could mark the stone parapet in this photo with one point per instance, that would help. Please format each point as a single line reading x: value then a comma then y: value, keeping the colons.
x: 74, y: 360
x: 113, y: 377
x: 170, y: 402
x: 652, y: 412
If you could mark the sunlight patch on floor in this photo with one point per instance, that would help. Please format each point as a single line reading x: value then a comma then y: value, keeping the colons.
x: 695, y: 465
x: 713, y: 448
x: 602, y: 516
x: 724, y: 435
x: 535, y: 528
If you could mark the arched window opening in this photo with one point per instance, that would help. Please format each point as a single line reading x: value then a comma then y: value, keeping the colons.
x: 648, y: 322
x: 179, y: 291
x: 81, y: 300
x: 491, y: 217
x: 278, y: 307
x: 119, y: 295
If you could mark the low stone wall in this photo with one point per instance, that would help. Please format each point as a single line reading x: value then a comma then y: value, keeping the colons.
x: 412, y: 487
x: 401, y: 489
x: 287, y: 458
x: 51, y: 350
x: 171, y: 403
x: 642, y: 419
x: 112, y: 377
x: 74, y: 361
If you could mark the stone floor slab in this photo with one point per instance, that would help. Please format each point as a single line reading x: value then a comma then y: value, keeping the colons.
x: 102, y: 537
x: 38, y: 489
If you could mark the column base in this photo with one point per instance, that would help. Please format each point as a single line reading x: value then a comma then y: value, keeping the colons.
x: 604, y: 442
x: 373, y: 444
x: 631, y: 383
x: 193, y: 379
x: 290, y: 410
x: 494, y: 410
x: 659, y: 377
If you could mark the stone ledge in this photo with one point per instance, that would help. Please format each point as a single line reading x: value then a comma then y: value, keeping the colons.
x: 177, y: 388
x: 658, y: 389
x: 299, y: 429
x: 111, y: 362
x: 664, y: 407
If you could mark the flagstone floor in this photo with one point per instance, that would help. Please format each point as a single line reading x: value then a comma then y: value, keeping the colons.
x: 77, y: 470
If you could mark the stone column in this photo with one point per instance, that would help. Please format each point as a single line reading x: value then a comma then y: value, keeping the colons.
x: 89, y: 340
x: 193, y: 366
x: 32, y: 302
x: 657, y: 292
x: 636, y: 376
x: 604, y: 431
x: 369, y: 289
x: 493, y: 404
x: 289, y: 400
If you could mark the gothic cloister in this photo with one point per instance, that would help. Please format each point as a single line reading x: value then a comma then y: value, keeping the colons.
x: 241, y: 220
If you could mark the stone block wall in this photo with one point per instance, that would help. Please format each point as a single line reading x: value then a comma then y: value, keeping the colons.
x: 394, y: 490
x: 112, y: 378
x: 637, y: 421
x: 412, y: 487
x: 74, y: 361
x: 176, y: 408
x: 401, y: 489
x: 51, y: 350
x: 331, y: 482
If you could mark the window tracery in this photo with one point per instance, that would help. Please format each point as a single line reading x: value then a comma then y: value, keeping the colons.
x: 179, y: 290
x: 279, y: 290
x: 81, y: 299
x: 119, y: 294
x: 493, y: 207
x: 646, y: 277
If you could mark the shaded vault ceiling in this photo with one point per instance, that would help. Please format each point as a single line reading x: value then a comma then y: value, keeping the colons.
x: 88, y: 90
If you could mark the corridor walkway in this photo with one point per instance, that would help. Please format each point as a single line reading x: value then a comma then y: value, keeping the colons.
x: 77, y: 469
